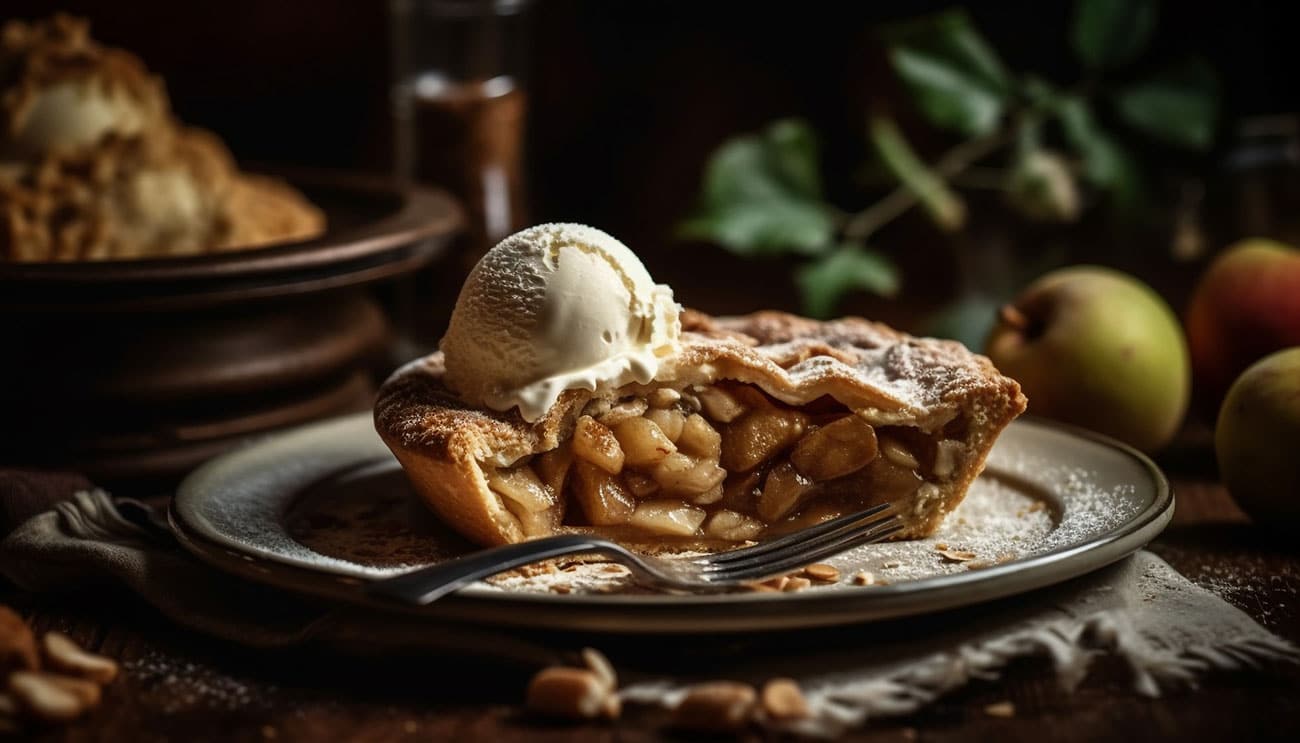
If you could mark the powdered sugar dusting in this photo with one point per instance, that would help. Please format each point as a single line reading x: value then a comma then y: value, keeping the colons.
x: 999, y: 521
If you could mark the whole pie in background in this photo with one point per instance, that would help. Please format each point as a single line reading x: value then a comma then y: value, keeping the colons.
x: 572, y: 394
x: 94, y: 167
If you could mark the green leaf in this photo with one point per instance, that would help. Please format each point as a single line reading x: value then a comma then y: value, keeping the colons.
x: 792, y: 149
x: 762, y: 195
x: 780, y: 163
x: 764, y: 227
x: 956, y: 78
x: 850, y: 268
x: 1178, y: 105
x: 944, y: 206
x: 1105, y: 163
x: 1110, y: 33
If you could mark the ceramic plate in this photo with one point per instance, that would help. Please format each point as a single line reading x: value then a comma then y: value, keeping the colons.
x: 325, y: 508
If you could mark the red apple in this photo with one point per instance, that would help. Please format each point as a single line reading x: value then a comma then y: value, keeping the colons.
x: 1246, y: 306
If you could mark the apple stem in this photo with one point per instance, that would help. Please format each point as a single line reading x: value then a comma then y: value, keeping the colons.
x: 1011, y: 316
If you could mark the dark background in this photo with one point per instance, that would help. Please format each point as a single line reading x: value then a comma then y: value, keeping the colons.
x: 627, y: 98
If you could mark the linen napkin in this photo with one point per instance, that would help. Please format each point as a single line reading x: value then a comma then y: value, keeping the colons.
x: 1168, y: 630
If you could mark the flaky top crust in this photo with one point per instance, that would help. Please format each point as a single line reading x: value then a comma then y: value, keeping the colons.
x: 888, y: 377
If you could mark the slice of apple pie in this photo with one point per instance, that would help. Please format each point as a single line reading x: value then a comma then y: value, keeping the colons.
x: 754, y: 425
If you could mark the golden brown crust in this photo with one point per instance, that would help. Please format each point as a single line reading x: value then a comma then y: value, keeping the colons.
x: 887, y: 377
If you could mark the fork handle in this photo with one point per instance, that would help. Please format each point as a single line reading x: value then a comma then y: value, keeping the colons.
x: 425, y: 585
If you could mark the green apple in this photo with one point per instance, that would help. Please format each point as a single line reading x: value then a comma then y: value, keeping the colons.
x: 1099, y: 349
x: 1257, y: 439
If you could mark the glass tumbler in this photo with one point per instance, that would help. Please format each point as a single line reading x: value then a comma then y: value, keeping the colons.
x: 459, y: 106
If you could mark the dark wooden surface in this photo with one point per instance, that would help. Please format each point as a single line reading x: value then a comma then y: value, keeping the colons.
x: 179, y: 686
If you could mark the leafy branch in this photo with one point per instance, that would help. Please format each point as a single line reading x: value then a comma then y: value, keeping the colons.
x: 762, y: 193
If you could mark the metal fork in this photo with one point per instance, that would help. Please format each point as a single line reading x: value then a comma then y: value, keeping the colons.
x: 709, y: 573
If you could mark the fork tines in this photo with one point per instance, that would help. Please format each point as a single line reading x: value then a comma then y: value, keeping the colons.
x: 804, y: 546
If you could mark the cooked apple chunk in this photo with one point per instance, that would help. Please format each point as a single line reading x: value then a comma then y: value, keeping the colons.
x: 669, y: 421
x: 521, y: 485
x: 783, y: 492
x: 644, y: 444
x: 735, y: 466
x: 700, y: 439
x: 720, y: 405
x: 601, y: 496
x: 836, y: 449
x: 678, y: 473
x: 595, y: 443
x: 734, y: 526
x: 671, y: 517
x: 760, y: 435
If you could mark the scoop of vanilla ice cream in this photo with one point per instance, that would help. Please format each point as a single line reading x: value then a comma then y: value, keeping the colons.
x: 552, y: 308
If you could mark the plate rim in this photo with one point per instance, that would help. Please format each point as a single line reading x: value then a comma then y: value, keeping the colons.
x: 892, y: 601
x: 422, y: 212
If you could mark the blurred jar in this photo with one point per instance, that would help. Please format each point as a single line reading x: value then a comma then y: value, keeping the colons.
x: 459, y: 105
x: 1263, y: 179
x: 459, y: 108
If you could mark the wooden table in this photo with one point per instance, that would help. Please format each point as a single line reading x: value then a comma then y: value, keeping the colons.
x: 179, y: 686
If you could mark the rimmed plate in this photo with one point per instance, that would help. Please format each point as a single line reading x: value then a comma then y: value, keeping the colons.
x: 324, y: 508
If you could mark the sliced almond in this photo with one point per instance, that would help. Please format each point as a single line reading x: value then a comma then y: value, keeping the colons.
x: 956, y: 555
x: 598, y: 664
x: 783, y: 700
x: 863, y: 578
x: 64, y: 655
x: 796, y: 583
x: 52, y: 697
x: 716, y: 706
x: 568, y: 693
x: 822, y: 572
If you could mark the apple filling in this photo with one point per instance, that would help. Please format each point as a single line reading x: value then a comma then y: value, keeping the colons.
x: 724, y: 462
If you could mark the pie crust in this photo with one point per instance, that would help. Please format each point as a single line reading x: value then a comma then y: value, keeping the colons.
x: 810, y: 420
